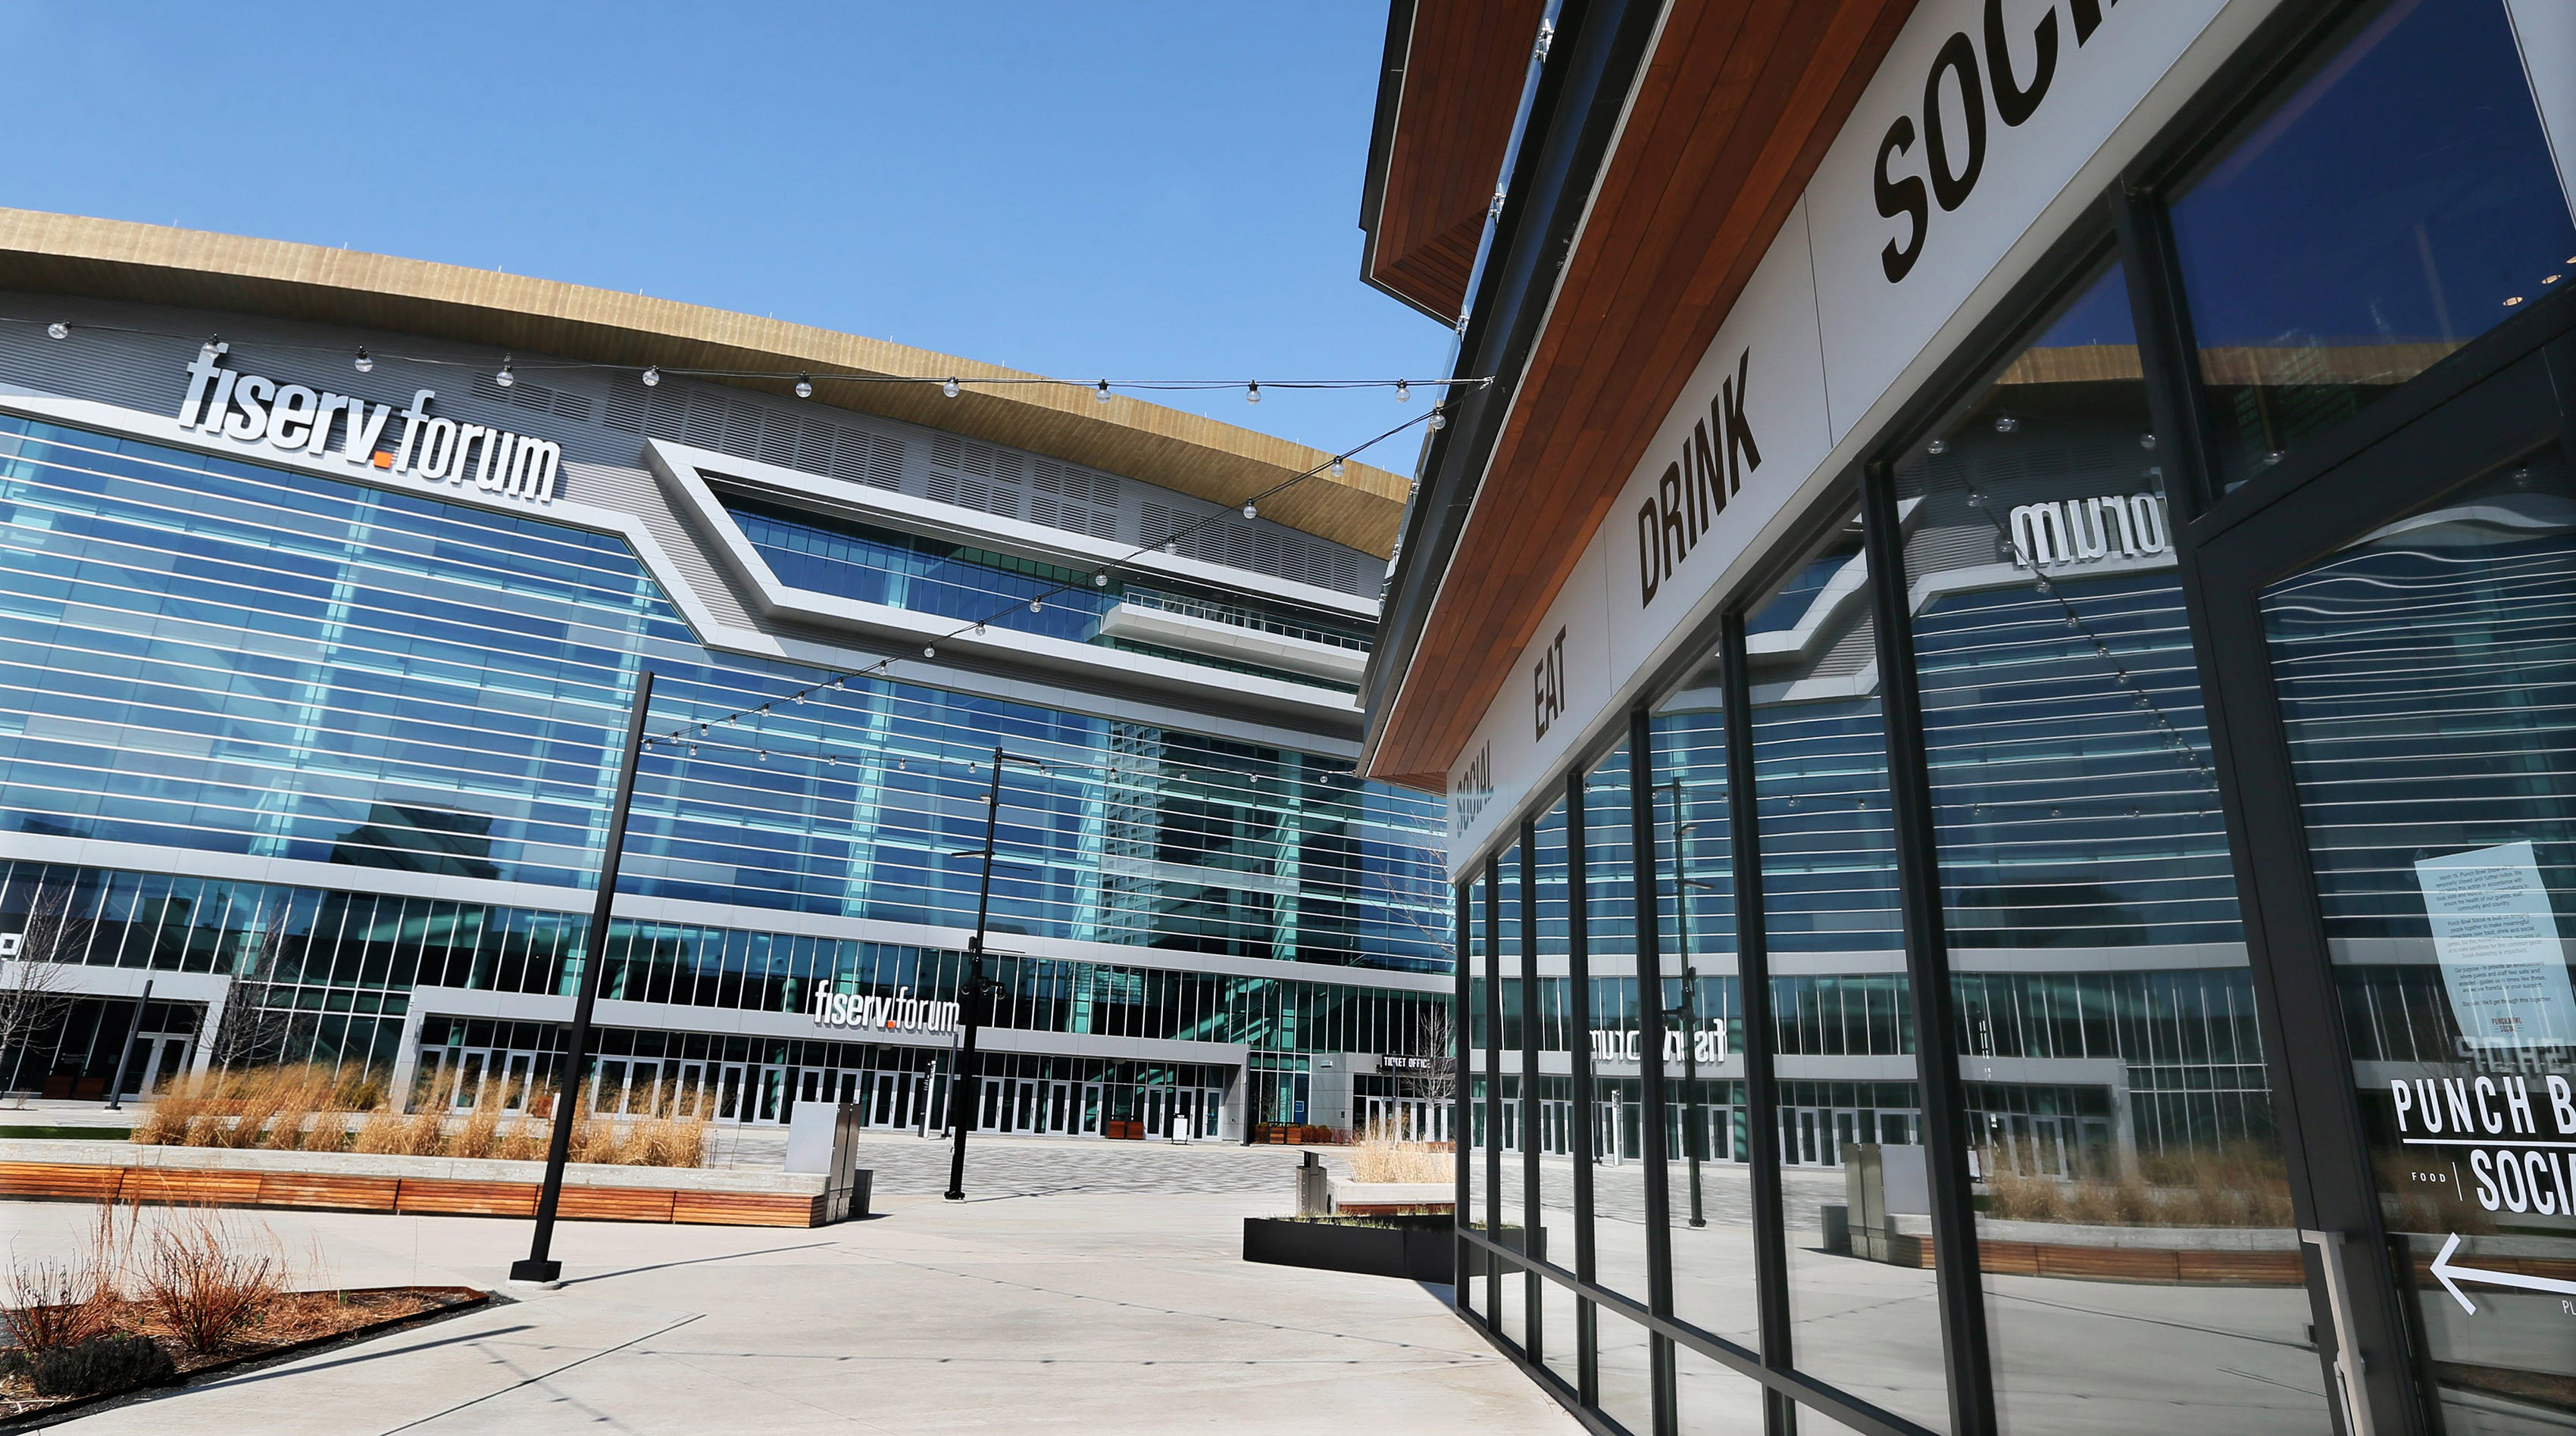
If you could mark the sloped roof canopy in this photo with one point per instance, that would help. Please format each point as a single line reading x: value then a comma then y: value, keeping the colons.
x: 154, y: 264
x: 1733, y: 110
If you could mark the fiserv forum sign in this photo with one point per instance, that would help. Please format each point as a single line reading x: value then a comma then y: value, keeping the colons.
x: 1985, y: 114
x: 254, y: 409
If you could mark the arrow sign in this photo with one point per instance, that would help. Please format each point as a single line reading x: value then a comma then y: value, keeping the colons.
x: 2444, y: 1272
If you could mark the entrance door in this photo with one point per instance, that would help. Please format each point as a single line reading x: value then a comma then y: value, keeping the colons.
x: 2394, y: 638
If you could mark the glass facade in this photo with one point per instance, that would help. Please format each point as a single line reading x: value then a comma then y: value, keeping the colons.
x: 210, y: 657
x: 874, y: 565
x: 1945, y: 1072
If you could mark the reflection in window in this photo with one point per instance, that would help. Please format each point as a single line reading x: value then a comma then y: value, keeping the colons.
x: 1618, y: 1127
x: 1837, y: 956
x: 1706, y: 1122
x: 2397, y: 203
x: 2428, y: 691
x: 2107, y: 1043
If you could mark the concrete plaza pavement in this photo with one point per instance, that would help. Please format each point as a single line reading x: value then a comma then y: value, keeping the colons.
x: 1076, y: 1310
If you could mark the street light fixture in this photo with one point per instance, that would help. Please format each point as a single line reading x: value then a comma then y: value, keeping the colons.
x: 1687, y: 1014
x: 540, y: 1267
x: 965, y: 1081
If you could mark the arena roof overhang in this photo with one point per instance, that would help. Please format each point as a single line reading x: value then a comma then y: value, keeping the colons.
x: 1653, y: 180
x: 514, y: 313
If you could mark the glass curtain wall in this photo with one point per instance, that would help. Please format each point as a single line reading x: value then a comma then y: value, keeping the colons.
x: 206, y: 654
x: 2107, y: 1046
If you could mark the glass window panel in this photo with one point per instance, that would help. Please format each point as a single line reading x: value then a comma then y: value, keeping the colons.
x: 1714, y: 1399
x: 1710, y: 1202
x: 1559, y: 1342
x: 2427, y: 676
x: 1627, y: 1376
x: 1829, y: 911
x: 2394, y: 203
x: 1552, y: 1114
x: 1480, y: 1084
x: 2084, y: 861
x: 1618, y: 1176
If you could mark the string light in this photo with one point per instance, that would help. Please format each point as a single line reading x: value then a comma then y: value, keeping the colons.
x: 804, y: 386
x: 58, y: 330
x: 1251, y: 391
x: 365, y: 363
x: 1102, y: 393
x: 1337, y: 466
x: 949, y: 388
x: 652, y: 375
x: 505, y: 378
x: 1403, y: 392
x: 1252, y: 510
x: 1438, y: 420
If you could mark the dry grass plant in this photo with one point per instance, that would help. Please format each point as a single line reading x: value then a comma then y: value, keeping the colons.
x: 2235, y: 1186
x: 1379, y: 1157
x: 307, y: 1108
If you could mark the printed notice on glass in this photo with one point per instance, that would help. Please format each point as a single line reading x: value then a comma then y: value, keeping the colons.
x: 2498, y: 945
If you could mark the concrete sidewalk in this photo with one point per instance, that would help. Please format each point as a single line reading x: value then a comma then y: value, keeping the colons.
x: 1077, y: 1312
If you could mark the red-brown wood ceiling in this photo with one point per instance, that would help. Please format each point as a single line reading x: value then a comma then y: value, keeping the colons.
x: 1736, y: 109
x: 1463, y: 72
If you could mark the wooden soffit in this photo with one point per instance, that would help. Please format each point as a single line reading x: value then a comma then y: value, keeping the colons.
x: 154, y: 264
x: 1465, y: 63
x: 1734, y: 112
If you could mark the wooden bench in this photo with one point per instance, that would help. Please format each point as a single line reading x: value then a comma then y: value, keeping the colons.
x: 439, y: 1196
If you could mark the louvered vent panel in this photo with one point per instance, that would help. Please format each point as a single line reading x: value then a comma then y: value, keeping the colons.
x: 535, y: 398
x: 885, y: 461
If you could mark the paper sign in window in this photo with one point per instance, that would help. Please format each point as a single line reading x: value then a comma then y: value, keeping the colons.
x: 2497, y: 942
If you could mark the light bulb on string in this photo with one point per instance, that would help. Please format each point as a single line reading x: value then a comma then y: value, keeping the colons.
x: 365, y: 362
x: 949, y: 388
x: 1337, y: 466
x: 505, y: 378
x: 804, y: 386
x: 1102, y: 393
x: 1439, y: 420
x: 1251, y: 510
x: 1036, y: 604
x: 1100, y: 580
x: 58, y: 330
x: 1252, y: 392
x: 764, y: 755
x: 930, y: 653
x: 652, y: 375
x: 1403, y: 392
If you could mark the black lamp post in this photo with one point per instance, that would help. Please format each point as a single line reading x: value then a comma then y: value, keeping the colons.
x: 1694, y: 1124
x: 964, y: 1084
x: 539, y: 1267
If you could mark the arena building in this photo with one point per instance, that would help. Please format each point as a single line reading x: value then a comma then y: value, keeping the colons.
x: 1999, y: 647
x: 325, y: 579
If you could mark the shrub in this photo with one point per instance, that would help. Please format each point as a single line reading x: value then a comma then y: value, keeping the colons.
x: 97, y: 1365
x: 205, y: 1282
x: 54, y: 1305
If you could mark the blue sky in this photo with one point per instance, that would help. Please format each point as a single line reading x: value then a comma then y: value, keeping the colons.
x: 1126, y: 189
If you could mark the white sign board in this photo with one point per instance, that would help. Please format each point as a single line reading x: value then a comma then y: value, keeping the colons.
x: 2497, y: 942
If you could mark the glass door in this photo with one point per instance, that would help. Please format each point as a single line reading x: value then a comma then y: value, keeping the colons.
x: 2396, y: 639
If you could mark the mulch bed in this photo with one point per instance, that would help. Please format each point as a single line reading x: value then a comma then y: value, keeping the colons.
x: 299, y: 1322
